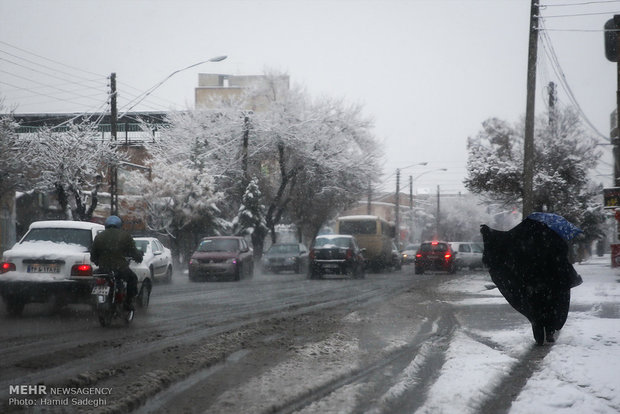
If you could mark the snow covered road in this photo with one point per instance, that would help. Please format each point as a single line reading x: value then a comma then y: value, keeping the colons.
x: 392, y: 343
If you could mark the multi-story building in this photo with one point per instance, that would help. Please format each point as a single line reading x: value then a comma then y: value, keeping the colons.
x: 213, y: 89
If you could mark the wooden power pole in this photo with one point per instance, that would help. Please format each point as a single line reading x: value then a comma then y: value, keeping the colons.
x: 528, y: 144
x: 113, y: 132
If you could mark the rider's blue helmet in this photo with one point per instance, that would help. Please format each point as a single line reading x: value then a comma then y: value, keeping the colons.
x: 113, y: 221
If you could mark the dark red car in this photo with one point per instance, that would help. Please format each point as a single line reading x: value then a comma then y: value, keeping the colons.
x: 435, y: 255
x: 221, y: 257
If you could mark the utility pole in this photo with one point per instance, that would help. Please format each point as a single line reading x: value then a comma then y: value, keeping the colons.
x: 246, y: 138
x: 410, y: 208
x: 616, y: 140
x: 369, y: 204
x: 553, y: 98
x: 528, y: 144
x: 437, y: 221
x: 396, y: 214
x: 113, y: 132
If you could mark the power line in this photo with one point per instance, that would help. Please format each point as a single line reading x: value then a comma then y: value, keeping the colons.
x: 51, y: 60
x: 555, y: 64
x: 577, y: 15
x: 584, y: 3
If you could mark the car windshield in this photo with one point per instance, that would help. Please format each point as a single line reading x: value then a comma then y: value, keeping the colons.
x: 81, y: 237
x: 332, y: 241
x: 142, y: 245
x: 218, y: 245
x: 284, y: 248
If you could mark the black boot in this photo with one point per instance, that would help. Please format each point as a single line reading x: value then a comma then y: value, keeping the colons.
x: 539, y: 333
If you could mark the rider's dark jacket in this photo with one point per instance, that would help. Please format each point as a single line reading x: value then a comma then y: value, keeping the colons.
x: 111, y: 247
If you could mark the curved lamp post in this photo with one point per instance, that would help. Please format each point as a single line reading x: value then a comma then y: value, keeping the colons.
x: 114, y: 119
x: 411, y: 180
x: 157, y: 85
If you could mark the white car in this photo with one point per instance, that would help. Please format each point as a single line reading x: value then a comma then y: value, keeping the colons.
x: 468, y: 254
x: 157, y: 258
x: 52, y: 262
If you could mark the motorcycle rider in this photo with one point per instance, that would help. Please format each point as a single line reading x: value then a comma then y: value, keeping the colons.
x: 110, y: 249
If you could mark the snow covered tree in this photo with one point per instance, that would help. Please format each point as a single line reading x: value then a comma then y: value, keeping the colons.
x: 180, y: 198
x: 564, y: 155
x: 302, y: 152
x: 251, y: 217
x: 70, y: 163
x: 12, y: 164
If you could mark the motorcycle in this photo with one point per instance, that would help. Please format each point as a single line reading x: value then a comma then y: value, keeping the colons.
x: 109, y: 292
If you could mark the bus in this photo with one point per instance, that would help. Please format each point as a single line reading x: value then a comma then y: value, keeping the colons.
x: 373, y: 234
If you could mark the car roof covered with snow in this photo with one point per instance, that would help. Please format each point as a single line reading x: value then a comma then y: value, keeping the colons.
x: 87, y: 225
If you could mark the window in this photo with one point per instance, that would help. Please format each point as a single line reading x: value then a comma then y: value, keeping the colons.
x: 464, y: 248
x: 353, y: 227
x: 157, y: 247
x: 81, y: 237
x: 219, y: 245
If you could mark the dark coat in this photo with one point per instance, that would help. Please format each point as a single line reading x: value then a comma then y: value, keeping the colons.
x: 530, y: 267
x: 111, y: 247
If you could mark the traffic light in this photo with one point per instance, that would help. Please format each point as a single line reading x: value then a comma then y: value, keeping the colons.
x: 612, y: 28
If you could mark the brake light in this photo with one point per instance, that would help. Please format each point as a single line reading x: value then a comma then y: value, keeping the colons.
x: 311, y: 254
x: 418, y: 255
x: 81, y: 270
x: 434, y: 243
x: 7, y: 267
x: 100, y: 281
x: 447, y: 256
x: 349, y: 254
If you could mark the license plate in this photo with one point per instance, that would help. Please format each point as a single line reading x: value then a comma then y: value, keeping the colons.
x: 331, y: 266
x: 101, y: 290
x: 43, y: 268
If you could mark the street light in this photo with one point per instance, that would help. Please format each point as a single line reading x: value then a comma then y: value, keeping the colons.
x: 411, y: 180
x: 114, y: 119
x: 157, y: 85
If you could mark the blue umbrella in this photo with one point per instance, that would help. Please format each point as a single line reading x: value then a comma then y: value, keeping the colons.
x: 559, y: 224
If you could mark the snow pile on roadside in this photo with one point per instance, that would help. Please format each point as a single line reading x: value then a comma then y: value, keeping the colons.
x: 580, y: 372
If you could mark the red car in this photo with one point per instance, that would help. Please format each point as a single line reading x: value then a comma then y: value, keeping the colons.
x: 435, y: 255
x: 220, y: 257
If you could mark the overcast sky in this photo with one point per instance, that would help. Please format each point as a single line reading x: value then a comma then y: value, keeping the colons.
x: 428, y: 72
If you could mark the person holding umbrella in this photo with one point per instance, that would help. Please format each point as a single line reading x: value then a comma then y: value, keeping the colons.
x: 529, y: 265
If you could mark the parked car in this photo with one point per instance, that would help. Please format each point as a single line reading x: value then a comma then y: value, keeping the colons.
x: 286, y: 256
x: 52, y: 262
x: 397, y: 259
x: 218, y: 257
x: 157, y: 258
x: 468, y: 254
x: 435, y: 255
x: 336, y: 254
x: 408, y: 253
